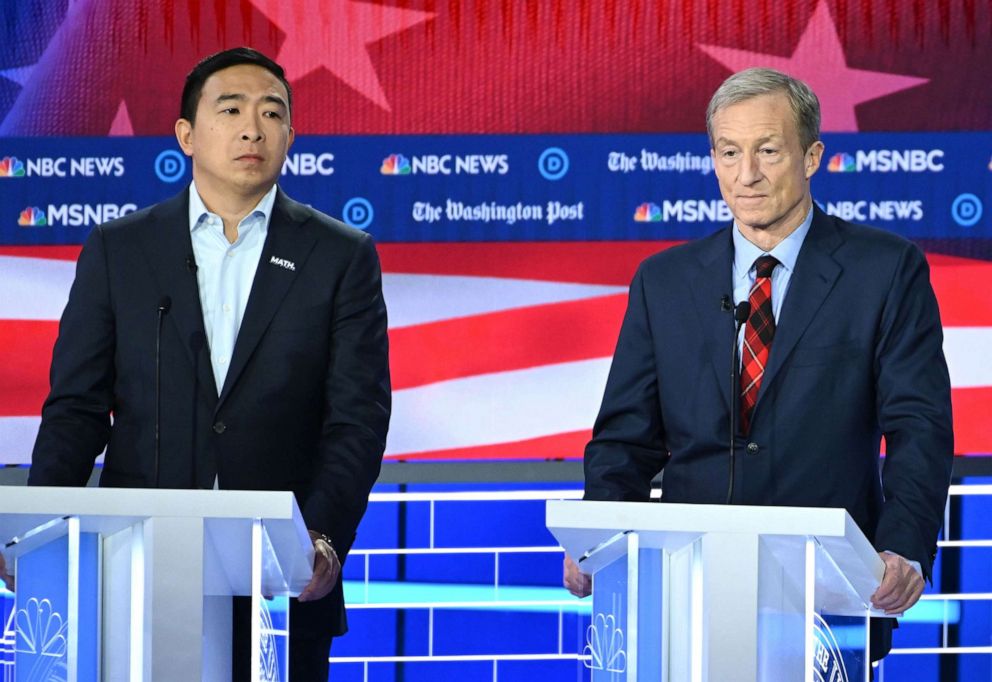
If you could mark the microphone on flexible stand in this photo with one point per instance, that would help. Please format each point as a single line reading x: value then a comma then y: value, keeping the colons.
x: 191, y: 263
x: 164, y: 304
x: 741, y: 313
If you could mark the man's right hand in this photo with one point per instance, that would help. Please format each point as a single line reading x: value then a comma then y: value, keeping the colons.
x: 576, y: 582
x: 7, y: 578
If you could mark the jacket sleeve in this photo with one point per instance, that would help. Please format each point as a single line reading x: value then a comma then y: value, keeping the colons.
x: 357, y: 403
x: 627, y: 448
x: 914, y: 412
x: 75, y: 419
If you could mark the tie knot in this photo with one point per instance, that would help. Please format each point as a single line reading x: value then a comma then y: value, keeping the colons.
x: 764, y: 266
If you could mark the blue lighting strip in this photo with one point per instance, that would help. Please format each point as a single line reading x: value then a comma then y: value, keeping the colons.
x: 453, y: 596
x: 467, y: 596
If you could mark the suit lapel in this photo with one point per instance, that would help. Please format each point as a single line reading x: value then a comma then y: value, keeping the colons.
x: 166, y: 249
x: 711, y: 283
x: 815, y: 275
x: 287, y: 246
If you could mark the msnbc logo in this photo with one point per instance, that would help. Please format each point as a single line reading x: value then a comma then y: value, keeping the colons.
x: 395, y: 164
x: 11, y: 167
x: 841, y: 162
x: 32, y: 216
x: 648, y: 213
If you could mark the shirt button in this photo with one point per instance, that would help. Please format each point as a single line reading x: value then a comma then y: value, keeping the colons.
x: 220, y: 427
x: 752, y: 448
x: 230, y: 254
x: 223, y: 361
x: 227, y: 307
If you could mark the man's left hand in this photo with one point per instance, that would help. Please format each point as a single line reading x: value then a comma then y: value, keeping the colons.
x: 901, y: 585
x: 326, y: 569
x: 5, y: 577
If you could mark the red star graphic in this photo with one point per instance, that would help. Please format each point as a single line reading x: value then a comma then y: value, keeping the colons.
x: 334, y: 34
x: 121, y: 125
x: 819, y: 61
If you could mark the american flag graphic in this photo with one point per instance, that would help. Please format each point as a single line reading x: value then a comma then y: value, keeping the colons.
x: 498, y: 350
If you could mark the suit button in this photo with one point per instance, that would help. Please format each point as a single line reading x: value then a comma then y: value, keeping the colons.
x: 221, y: 427
x: 752, y: 448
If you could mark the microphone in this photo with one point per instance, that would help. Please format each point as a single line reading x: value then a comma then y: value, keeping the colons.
x: 725, y: 305
x: 164, y: 304
x: 191, y: 263
x: 741, y: 313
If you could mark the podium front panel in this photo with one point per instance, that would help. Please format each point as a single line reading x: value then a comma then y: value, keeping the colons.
x: 624, y: 637
x: 56, y: 606
x: 270, y: 626
x: 839, y: 630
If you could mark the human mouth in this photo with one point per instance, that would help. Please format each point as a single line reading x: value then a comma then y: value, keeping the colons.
x: 250, y: 158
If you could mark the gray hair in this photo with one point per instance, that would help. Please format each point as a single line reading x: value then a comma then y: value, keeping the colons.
x: 751, y: 83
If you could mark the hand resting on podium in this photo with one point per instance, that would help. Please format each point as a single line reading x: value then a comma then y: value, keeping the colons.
x: 902, y: 585
x: 7, y: 578
x: 575, y: 581
x: 326, y: 569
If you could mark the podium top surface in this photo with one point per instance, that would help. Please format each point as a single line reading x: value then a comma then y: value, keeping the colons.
x: 226, y: 517
x: 108, y: 510
x: 587, y: 529
x: 696, y: 519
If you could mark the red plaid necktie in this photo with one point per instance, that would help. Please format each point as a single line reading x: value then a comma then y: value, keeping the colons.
x: 758, y: 333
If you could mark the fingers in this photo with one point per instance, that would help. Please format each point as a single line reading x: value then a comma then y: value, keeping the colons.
x: 574, y: 580
x: 901, y: 586
x: 5, y: 577
x: 326, y: 570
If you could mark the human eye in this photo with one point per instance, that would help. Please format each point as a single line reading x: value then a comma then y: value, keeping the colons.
x: 728, y: 153
x: 230, y: 111
x: 273, y: 114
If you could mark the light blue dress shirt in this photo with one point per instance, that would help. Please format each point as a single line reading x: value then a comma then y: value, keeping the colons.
x: 225, y: 272
x: 786, y: 252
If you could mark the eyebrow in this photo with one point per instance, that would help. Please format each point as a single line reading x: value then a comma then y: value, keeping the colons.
x: 774, y: 137
x: 239, y: 97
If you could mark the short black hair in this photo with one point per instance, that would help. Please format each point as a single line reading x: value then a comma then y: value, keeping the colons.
x: 222, y: 60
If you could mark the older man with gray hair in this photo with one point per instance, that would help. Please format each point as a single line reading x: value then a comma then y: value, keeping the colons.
x: 840, y: 345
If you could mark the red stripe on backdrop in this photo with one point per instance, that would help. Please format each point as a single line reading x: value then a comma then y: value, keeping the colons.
x: 972, y: 427
x: 25, y: 354
x: 583, y: 262
x: 962, y: 288
x: 972, y: 435
x: 50, y: 252
x: 504, y: 341
x: 559, y: 446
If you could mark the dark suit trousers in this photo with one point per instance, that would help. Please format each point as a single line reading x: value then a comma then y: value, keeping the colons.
x: 308, y: 648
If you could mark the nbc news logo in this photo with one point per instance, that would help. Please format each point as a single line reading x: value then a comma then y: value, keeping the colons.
x: 11, y: 167
x: 395, y: 164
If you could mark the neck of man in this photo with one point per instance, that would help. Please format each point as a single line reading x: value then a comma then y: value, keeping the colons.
x: 767, y: 238
x: 232, y: 208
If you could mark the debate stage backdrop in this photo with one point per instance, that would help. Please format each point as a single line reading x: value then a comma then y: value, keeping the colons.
x: 514, y: 160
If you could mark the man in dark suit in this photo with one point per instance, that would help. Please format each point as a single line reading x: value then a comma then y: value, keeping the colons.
x: 272, y: 328
x: 842, y: 345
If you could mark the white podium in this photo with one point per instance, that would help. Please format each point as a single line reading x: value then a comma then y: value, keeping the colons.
x: 710, y: 593
x: 136, y: 584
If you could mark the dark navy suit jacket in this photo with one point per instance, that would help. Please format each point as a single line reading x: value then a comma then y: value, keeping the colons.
x: 857, y: 354
x: 306, y: 402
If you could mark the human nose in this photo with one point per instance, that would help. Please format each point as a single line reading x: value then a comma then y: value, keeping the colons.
x: 750, y: 170
x: 253, y: 130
